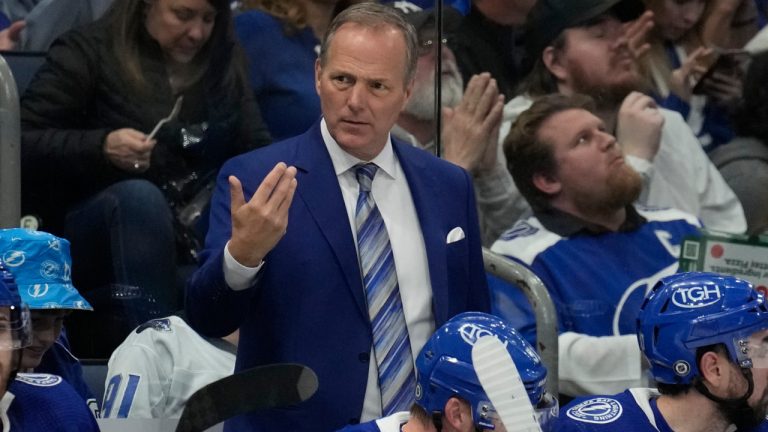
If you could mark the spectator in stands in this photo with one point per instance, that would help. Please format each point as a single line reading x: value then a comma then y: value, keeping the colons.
x: 129, y: 202
x: 705, y: 336
x: 471, y: 122
x: 32, y: 402
x: 45, y: 20
x: 281, y: 40
x: 582, y: 47
x: 451, y: 397
x: 677, y: 60
x: 160, y: 365
x: 41, y: 266
x: 411, y: 216
x: 574, y: 175
x: 744, y: 161
x: 491, y: 39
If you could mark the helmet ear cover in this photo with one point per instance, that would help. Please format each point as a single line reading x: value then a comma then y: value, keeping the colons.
x: 688, y: 311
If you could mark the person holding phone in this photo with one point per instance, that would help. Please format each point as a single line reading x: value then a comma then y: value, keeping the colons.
x: 702, y: 83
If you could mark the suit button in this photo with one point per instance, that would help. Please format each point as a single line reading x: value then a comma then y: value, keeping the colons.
x: 364, y: 357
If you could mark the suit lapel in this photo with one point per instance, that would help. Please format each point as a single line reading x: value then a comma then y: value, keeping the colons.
x: 425, y: 187
x: 320, y: 191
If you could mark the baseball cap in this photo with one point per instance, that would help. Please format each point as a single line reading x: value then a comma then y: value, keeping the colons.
x: 548, y: 18
x: 41, y: 264
x: 420, y: 18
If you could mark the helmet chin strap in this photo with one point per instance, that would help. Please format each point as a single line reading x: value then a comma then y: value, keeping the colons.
x: 731, y: 405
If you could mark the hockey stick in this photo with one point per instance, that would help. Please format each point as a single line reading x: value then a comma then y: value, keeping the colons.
x: 251, y: 390
x: 503, y: 385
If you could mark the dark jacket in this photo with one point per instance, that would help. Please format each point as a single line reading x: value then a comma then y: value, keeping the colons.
x: 81, y: 94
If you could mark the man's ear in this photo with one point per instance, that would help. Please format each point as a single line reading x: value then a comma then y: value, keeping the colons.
x: 546, y: 183
x: 318, y: 72
x: 456, y: 415
x: 716, y: 369
x: 553, y: 60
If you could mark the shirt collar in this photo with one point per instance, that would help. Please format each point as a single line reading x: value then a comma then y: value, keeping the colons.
x: 343, y: 161
x: 567, y: 225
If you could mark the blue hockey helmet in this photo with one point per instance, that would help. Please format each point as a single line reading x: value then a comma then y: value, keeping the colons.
x: 687, y: 311
x: 444, y: 366
x: 17, y: 331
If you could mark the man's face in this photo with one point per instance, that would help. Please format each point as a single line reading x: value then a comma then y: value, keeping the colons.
x: 362, y: 87
x: 758, y: 401
x: 596, y: 61
x: 8, y: 355
x: 591, y: 175
x: 422, y: 103
x: 46, y: 328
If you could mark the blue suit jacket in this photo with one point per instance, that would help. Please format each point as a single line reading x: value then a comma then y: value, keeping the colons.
x: 308, y: 304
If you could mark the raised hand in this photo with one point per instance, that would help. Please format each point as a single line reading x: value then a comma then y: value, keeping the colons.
x: 471, y: 129
x: 636, y: 32
x: 259, y: 223
x: 639, y: 126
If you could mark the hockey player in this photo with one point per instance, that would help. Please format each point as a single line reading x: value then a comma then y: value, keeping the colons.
x: 706, y: 338
x: 160, y: 365
x: 41, y: 266
x: 449, y: 396
x: 32, y: 402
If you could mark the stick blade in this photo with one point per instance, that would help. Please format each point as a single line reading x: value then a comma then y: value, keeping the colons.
x: 502, y: 383
x: 259, y: 388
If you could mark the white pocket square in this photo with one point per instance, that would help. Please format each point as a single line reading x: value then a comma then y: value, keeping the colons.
x: 455, y: 235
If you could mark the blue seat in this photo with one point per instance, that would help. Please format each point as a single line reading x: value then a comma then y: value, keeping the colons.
x: 24, y: 66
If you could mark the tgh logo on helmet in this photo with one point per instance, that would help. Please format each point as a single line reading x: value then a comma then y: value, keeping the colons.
x: 470, y: 333
x: 696, y: 296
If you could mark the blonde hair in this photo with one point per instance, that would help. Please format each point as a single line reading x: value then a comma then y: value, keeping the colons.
x: 291, y: 13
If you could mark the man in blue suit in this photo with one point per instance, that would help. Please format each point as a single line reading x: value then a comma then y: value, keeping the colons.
x: 299, y: 295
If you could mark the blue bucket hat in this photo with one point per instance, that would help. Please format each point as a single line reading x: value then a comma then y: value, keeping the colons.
x: 42, y: 266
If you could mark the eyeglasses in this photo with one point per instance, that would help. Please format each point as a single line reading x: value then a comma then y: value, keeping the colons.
x: 427, y: 46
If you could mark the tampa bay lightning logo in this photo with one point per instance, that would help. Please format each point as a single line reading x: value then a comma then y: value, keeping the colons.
x: 521, y: 229
x: 14, y: 258
x: 50, y: 269
x: 39, y: 380
x: 37, y: 290
x: 696, y: 296
x: 599, y: 410
x: 161, y: 324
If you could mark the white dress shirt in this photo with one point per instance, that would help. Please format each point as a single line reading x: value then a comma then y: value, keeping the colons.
x: 393, y: 197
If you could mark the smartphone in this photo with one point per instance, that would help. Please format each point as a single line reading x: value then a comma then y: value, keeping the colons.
x: 728, y: 61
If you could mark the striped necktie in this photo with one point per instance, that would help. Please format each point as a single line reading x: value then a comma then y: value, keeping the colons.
x: 391, y: 345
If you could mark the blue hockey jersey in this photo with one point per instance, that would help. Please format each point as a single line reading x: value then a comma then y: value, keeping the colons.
x: 597, y: 280
x: 42, y: 402
x: 633, y: 410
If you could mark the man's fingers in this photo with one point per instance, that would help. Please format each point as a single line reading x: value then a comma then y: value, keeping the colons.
x: 475, y: 89
x: 285, y: 204
x: 236, y: 196
x: 14, y: 30
x: 269, y: 183
x: 488, y: 99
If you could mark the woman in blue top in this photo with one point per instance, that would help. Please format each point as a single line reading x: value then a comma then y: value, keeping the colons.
x: 281, y: 39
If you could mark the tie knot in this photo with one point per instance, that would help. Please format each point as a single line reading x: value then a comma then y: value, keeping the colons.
x: 365, y: 173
